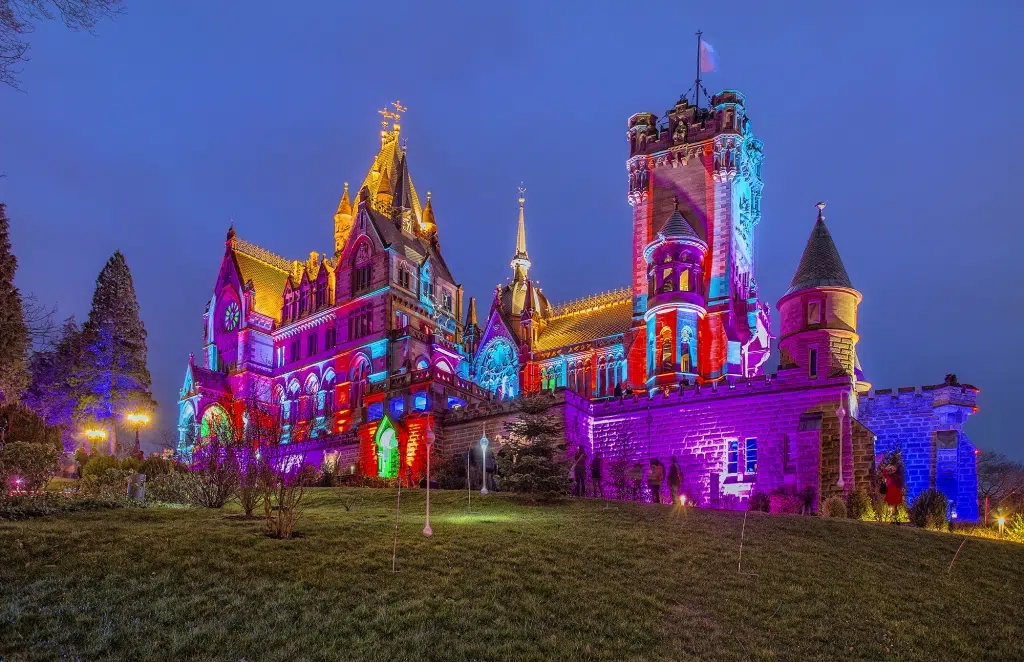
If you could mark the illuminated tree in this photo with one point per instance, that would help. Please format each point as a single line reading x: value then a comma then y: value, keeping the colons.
x: 51, y: 394
x: 532, y: 458
x: 110, y: 376
x: 18, y: 18
x: 14, y: 338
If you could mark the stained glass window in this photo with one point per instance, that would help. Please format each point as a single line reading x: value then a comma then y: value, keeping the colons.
x: 498, y: 369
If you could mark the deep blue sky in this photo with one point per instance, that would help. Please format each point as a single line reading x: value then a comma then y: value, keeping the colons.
x: 153, y: 134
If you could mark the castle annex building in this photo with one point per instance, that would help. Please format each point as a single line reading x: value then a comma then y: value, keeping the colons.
x: 365, y: 354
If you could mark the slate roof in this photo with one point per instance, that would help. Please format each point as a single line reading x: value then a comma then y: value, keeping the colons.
x: 677, y: 227
x: 611, y: 314
x: 407, y: 245
x: 820, y: 265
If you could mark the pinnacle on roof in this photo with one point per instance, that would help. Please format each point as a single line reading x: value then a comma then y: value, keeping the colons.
x: 677, y: 227
x: 471, y: 313
x: 521, y: 260
x: 428, y: 214
x: 528, y: 301
x: 820, y: 265
x: 384, y: 188
x: 345, y: 206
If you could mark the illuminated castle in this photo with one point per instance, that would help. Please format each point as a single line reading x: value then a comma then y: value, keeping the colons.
x: 364, y: 355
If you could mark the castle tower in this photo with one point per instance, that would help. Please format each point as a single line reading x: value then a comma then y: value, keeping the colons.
x: 513, y: 296
x: 819, y: 313
x: 675, y: 302
x: 342, y: 222
x: 710, y: 160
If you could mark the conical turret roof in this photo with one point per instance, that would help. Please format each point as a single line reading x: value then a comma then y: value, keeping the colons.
x: 820, y: 265
x: 677, y: 227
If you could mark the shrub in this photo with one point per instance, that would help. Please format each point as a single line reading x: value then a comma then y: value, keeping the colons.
x: 834, y: 506
x: 112, y: 484
x: 155, y: 465
x: 929, y: 510
x: 172, y: 487
x: 450, y: 472
x: 250, y: 492
x: 27, y: 506
x: 858, y: 505
x: 97, y: 465
x: 759, y: 501
x: 329, y: 470
x: 785, y: 504
x: 1015, y: 527
x: 30, y: 462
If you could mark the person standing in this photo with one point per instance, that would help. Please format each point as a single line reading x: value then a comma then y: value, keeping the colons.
x: 636, y: 476
x: 579, y: 469
x: 675, y: 478
x: 595, y: 476
x: 655, y: 477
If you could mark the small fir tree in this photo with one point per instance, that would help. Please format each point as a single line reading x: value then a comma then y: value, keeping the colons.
x: 14, y: 336
x: 110, y: 375
x: 532, y: 459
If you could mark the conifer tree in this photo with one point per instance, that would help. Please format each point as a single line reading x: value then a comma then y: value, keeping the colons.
x: 532, y: 458
x: 14, y: 338
x: 111, y: 376
x: 51, y: 394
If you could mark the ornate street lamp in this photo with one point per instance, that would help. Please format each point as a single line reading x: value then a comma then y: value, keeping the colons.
x: 137, y: 420
x: 427, y: 531
x: 95, y: 435
x: 483, y: 462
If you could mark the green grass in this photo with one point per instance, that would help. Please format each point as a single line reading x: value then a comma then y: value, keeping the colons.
x: 513, y: 582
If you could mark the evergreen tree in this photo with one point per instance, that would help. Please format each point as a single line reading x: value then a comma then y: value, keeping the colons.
x: 14, y: 338
x: 51, y: 394
x: 110, y: 376
x: 532, y: 459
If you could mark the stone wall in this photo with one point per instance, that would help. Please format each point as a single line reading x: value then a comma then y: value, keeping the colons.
x: 913, y: 420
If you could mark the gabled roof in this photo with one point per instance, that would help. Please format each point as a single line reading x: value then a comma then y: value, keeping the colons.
x: 268, y: 273
x: 599, y: 316
x: 820, y: 265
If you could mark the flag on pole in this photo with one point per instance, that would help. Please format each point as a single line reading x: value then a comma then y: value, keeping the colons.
x: 707, y: 57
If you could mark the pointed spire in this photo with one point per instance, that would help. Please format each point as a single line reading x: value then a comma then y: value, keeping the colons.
x: 345, y: 206
x: 677, y: 227
x: 528, y: 306
x: 471, y: 313
x: 820, y: 264
x: 521, y: 260
x: 428, y: 224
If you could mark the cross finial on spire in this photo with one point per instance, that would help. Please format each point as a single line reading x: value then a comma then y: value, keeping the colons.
x: 821, y: 210
x: 522, y: 194
x: 677, y: 202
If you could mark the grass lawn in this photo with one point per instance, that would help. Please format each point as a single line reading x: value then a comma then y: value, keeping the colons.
x: 512, y: 582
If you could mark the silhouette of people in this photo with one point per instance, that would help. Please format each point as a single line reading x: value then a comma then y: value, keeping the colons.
x: 595, y: 476
x: 636, y: 475
x: 655, y: 477
x: 675, y: 478
x: 579, y: 470
x: 618, y: 390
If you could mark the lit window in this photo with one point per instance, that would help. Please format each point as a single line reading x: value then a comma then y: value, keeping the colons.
x: 751, y: 457
x: 733, y: 459
x: 419, y: 402
x: 375, y: 411
x: 684, y: 280
x: 397, y: 406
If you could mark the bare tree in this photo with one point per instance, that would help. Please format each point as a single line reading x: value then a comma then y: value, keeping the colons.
x: 1000, y: 479
x: 18, y: 19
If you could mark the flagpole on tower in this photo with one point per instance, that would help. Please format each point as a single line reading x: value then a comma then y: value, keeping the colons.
x: 696, y: 84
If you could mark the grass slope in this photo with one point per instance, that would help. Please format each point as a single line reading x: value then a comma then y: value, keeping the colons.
x: 513, y: 582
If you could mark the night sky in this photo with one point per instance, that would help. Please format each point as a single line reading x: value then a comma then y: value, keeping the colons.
x: 153, y: 134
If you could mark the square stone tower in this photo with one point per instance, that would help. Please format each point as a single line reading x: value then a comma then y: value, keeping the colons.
x: 708, y: 159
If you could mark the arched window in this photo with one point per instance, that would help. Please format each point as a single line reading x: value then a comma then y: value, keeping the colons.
x: 216, y: 426
x: 666, y: 349
x: 187, y: 432
x: 328, y: 387
x: 359, y: 373
x: 497, y: 368
x: 386, y: 440
x: 422, y: 364
x: 443, y: 366
x: 588, y: 378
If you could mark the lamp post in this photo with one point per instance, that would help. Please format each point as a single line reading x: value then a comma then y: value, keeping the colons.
x: 427, y: 531
x: 137, y: 419
x: 95, y: 435
x: 483, y: 462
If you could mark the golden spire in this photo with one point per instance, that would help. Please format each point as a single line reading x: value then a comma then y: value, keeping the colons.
x: 521, y: 261
x: 345, y: 206
x: 342, y: 222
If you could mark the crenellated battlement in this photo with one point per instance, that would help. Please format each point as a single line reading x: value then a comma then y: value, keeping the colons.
x: 494, y: 408
x: 686, y: 393
x: 964, y: 395
x: 687, y: 124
